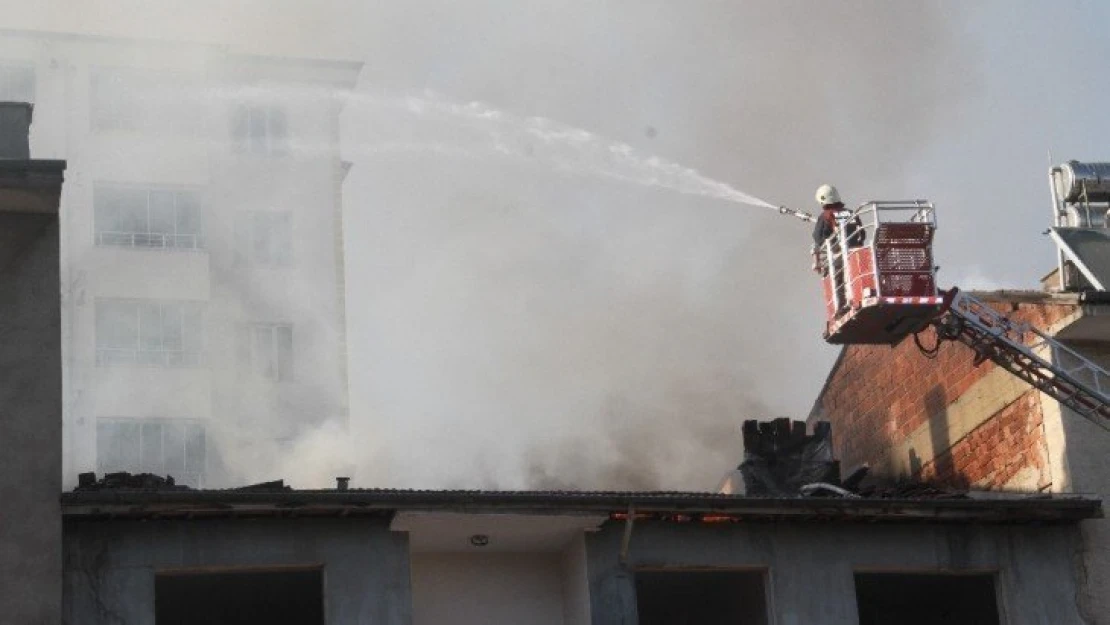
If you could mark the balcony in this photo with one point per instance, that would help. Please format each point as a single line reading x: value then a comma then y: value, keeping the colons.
x: 151, y: 241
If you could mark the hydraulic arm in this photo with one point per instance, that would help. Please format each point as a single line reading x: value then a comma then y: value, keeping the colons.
x: 1029, y: 353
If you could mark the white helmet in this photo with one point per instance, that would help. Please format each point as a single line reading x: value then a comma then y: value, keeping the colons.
x: 827, y: 194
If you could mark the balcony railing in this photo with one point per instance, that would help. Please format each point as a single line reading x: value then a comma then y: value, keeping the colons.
x: 150, y: 240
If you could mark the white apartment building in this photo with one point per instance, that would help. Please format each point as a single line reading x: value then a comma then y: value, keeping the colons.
x: 202, y: 260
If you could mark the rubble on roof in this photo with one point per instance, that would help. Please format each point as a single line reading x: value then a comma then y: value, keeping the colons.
x: 264, y: 487
x: 125, y: 480
x: 782, y: 459
x: 910, y: 490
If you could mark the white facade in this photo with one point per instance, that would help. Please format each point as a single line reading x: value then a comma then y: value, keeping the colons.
x: 524, y: 569
x: 486, y: 589
x: 202, y: 272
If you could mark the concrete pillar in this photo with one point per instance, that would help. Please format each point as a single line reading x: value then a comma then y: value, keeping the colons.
x: 30, y: 393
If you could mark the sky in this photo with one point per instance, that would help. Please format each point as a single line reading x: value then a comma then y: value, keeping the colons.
x: 518, y: 318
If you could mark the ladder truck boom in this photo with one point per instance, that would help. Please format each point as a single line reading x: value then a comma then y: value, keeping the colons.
x: 1030, y: 354
x: 881, y: 288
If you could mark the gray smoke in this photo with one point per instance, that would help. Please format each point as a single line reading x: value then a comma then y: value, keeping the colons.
x: 530, y: 328
x: 515, y: 324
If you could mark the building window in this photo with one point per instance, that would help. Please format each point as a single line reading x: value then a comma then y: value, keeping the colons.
x: 264, y: 238
x: 174, y: 447
x: 664, y: 597
x: 258, y: 129
x: 150, y: 218
x: 17, y: 83
x: 914, y: 598
x: 148, y: 332
x: 267, y: 350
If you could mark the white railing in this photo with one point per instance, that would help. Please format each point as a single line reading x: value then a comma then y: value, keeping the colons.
x: 150, y: 240
x: 833, y: 256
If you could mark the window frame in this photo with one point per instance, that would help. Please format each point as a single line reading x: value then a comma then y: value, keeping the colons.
x: 149, y: 240
x: 269, y: 364
x: 194, y: 475
x: 109, y: 354
x: 274, y: 138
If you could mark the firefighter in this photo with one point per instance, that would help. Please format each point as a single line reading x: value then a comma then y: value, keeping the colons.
x: 829, y: 199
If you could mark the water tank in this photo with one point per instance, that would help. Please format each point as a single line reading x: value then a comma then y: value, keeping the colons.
x: 1075, y: 181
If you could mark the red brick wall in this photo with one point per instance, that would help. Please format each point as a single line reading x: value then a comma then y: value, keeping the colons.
x: 877, y: 396
x: 995, y: 452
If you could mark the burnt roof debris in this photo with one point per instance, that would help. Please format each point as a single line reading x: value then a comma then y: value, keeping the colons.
x: 910, y: 490
x: 782, y: 460
x: 273, y: 486
x: 780, y: 457
x: 123, y: 480
x: 855, y: 477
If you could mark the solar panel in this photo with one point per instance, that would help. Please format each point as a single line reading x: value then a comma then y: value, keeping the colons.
x: 1089, y: 250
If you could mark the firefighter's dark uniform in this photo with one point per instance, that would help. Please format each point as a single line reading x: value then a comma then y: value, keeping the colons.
x: 826, y: 227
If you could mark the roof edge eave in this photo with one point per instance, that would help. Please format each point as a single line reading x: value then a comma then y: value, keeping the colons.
x: 197, y: 504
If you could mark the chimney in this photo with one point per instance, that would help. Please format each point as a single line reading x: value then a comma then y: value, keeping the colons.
x: 341, y: 483
x: 780, y: 458
x: 15, y: 129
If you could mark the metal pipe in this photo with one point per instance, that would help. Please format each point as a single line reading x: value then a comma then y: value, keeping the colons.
x: 830, y: 273
x: 626, y: 539
x: 842, y: 234
x: 1057, y: 212
x: 875, y: 260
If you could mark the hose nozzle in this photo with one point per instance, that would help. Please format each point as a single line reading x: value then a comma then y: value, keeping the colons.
x: 804, y: 216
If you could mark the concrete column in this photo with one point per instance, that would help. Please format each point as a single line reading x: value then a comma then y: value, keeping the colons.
x: 30, y: 393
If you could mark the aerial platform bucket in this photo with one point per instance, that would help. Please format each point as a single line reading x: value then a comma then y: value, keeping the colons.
x: 883, y: 288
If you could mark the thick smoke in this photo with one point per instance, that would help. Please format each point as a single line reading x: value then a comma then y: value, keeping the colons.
x: 526, y: 328
x: 516, y: 324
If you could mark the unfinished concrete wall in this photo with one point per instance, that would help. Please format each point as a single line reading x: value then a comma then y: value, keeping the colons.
x: 110, y: 567
x: 810, y: 567
x: 486, y: 588
x: 1087, y: 470
x: 30, y: 401
x: 576, y: 585
x: 1078, y: 450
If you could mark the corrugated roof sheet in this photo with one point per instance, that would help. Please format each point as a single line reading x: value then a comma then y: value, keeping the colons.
x: 190, y: 504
